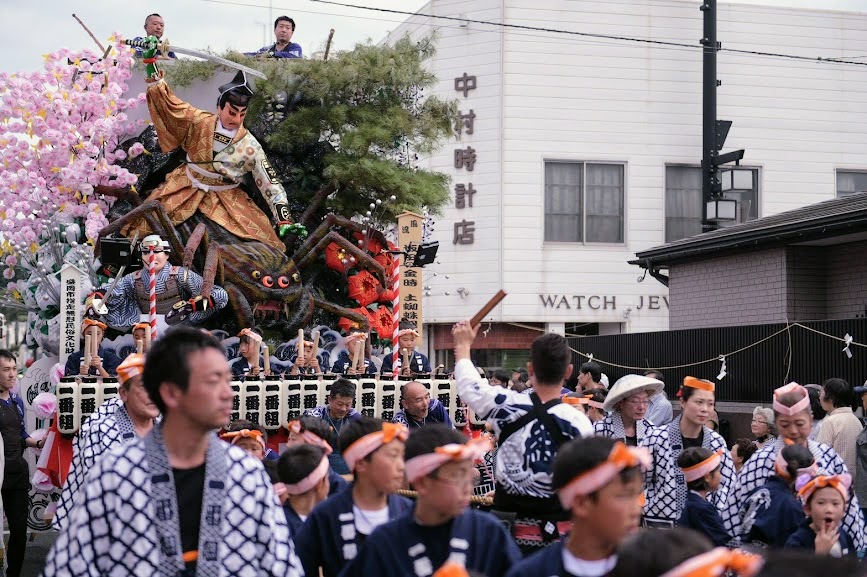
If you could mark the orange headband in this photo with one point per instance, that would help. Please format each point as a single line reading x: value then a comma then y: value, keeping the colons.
x: 92, y: 323
x: 620, y: 458
x: 131, y: 366
x: 373, y: 441
x: 422, y: 465
x: 138, y: 326
x: 310, y: 438
x: 244, y: 434
x: 717, y: 562
x: 574, y: 401
x: 403, y: 332
x: 701, y: 384
x: 841, y: 483
x: 699, y: 470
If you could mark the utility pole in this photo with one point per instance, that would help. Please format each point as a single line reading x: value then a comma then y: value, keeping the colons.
x: 714, y: 132
x: 709, y: 176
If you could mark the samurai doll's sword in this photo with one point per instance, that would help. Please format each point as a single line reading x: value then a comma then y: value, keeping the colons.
x: 151, y: 45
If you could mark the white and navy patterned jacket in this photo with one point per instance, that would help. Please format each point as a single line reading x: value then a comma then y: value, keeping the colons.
x: 111, y: 529
x: 712, y: 441
x: 660, y: 489
x: 761, y: 466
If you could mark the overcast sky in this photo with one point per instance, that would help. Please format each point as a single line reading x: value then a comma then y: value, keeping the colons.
x: 35, y: 27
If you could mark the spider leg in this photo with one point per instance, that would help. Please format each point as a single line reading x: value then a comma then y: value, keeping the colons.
x: 343, y: 312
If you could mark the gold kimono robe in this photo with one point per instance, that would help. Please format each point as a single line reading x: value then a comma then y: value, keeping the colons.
x: 209, y: 183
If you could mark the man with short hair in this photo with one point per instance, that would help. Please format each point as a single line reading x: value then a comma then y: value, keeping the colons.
x: 590, y: 376
x: 131, y: 420
x: 154, y: 26
x: 418, y: 409
x: 337, y: 412
x: 16, y: 475
x: 181, y: 501
x: 530, y: 429
x: 500, y: 378
x: 284, y: 28
x: 660, y: 411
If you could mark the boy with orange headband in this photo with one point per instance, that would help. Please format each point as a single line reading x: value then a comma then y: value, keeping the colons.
x: 440, y: 528
x: 337, y: 529
x: 824, y: 498
x: 600, y: 481
x: 702, y: 472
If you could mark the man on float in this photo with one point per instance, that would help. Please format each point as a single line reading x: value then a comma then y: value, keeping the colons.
x: 129, y: 302
x: 103, y: 364
x: 418, y: 363
x: 220, y: 154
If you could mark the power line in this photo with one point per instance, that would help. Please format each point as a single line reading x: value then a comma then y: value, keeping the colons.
x: 597, y: 35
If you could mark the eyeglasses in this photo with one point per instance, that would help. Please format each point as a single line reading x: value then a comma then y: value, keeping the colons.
x: 758, y: 422
x: 638, y: 402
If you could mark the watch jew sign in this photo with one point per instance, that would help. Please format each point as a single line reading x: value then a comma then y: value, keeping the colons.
x: 604, y: 302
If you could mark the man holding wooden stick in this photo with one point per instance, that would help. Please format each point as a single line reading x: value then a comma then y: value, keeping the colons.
x: 529, y: 428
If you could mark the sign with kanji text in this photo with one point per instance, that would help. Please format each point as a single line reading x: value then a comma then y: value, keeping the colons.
x: 410, y: 227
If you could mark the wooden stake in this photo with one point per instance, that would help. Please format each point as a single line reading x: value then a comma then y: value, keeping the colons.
x: 489, y: 306
x: 86, y: 29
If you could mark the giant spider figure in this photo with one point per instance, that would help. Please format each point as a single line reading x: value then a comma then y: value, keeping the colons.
x: 262, y: 282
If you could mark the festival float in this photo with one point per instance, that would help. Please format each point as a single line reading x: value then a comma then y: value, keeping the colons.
x: 115, y: 170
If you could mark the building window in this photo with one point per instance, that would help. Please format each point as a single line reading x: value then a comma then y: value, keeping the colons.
x: 683, y: 202
x: 850, y: 182
x: 584, y: 202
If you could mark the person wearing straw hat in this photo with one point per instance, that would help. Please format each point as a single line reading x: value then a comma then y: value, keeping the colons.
x: 129, y: 301
x: 793, y: 420
x: 690, y: 429
x: 131, y: 420
x: 101, y: 364
x: 626, y: 404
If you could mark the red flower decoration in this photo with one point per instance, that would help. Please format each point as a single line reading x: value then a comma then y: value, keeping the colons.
x: 336, y: 258
x: 388, y: 263
x: 382, y: 322
x: 347, y: 326
x: 364, y: 287
x: 371, y: 244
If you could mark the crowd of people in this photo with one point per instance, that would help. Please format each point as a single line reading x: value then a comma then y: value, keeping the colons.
x: 589, y: 479
x: 586, y: 483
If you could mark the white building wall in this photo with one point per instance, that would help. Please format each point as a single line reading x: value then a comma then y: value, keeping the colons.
x: 565, y: 97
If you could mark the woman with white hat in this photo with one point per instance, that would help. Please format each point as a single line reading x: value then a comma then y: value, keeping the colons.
x: 690, y: 429
x: 793, y: 420
x: 626, y: 404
